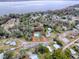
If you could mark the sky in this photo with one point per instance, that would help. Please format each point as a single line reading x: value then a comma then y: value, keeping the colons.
x: 35, y: 0
x: 32, y: 6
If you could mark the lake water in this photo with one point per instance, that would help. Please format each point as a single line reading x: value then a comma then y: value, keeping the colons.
x: 31, y: 6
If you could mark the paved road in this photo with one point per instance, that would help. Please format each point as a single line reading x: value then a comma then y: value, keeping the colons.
x: 62, y: 37
x: 68, y: 45
x: 28, y: 45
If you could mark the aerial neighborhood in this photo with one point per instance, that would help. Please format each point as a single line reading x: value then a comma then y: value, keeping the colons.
x: 40, y: 35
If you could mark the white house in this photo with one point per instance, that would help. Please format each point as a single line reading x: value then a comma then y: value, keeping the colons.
x: 13, y: 43
x: 33, y: 56
x: 73, y: 51
x: 57, y: 46
x: 65, y: 40
x: 48, y: 32
x: 1, y: 55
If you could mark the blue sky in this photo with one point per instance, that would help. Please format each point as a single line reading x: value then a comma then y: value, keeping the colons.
x: 37, y: 0
x: 30, y: 6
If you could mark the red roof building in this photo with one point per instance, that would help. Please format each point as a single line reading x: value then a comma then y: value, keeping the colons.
x: 38, y: 35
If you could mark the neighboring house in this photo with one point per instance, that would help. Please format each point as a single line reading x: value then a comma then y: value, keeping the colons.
x: 30, y: 56
x: 12, y: 43
x: 38, y: 34
x: 64, y: 27
x: 56, y: 46
x: 1, y: 55
x: 33, y: 56
x: 74, y: 53
x: 65, y: 40
x: 77, y: 26
x: 48, y: 32
x: 77, y: 44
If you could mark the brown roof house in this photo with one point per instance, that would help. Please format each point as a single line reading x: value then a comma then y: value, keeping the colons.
x: 38, y: 34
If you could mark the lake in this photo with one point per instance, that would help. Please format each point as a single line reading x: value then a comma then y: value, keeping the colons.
x: 32, y: 6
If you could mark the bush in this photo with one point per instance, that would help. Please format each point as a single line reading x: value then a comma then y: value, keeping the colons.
x: 1, y: 50
x: 42, y: 49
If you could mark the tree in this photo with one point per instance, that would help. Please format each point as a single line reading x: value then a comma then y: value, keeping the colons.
x: 14, y: 15
x: 67, y: 52
x: 48, y: 56
x: 42, y: 49
x: 9, y: 55
x: 63, y: 17
x: 1, y: 50
x: 18, y: 34
x: 3, y: 32
x: 22, y: 52
x: 58, y: 54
